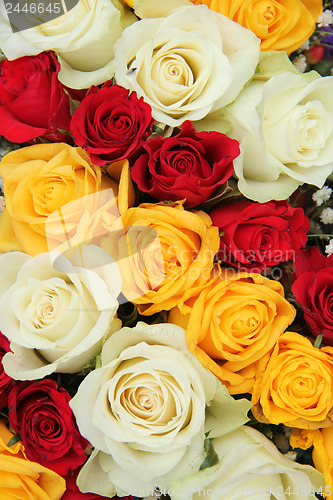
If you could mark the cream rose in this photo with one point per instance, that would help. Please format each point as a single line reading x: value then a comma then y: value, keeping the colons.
x: 250, y: 466
x: 83, y: 39
x: 150, y: 405
x: 186, y: 64
x: 285, y: 129
x: 55, y: 312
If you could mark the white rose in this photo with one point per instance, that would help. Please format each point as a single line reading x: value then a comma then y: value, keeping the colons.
x: 147, y: 413
x: 55, y: 312
x: 83, y: 39
x: 285, y: 129
x: 186, y: 64
x: 250, y: 466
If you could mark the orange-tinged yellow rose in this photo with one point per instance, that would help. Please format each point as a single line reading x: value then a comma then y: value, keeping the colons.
x: 50, y: 191
x: 21, y: 479
x: 322, y: 454
x: 296, y: 387
x: 162, y: 250
x: 232, y: 324
x: 280, y: 24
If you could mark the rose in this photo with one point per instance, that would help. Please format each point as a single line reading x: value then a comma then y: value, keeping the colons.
x: 111, y: 124
x: 73, y: 493
x: 254, y: 236
x: 175, y: 250
x: 313, y: 290
x: 322, y: 441
x: 20, y: 478
x: 295, y: 386
x: 40, y: 413
x: 185, y: 64
x: 249, y: 466
x: 285, y: 129
x: 280, y: 25
x: 233, y: 322
x: 32, y: 100
x: 188, y: 165
x: 83, y: 38
x: 6, y: 382
x: 40, y: 184
x: 57, y: 312
x: 150, y: 405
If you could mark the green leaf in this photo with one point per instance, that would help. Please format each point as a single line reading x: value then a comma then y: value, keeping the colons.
x: 14, y: 440
x: 318, y: 341
x: 211, y: 455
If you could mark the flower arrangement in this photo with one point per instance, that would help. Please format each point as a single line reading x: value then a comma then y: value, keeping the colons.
x: 166, y: 301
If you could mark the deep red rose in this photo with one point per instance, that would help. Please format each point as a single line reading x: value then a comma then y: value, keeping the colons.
x: 110, y: 124
x: 259, y: 235
x: 6, y: 382
x: 313, y: 290
x: 32, y: 100
x: 188, y: 165
x: 40, y: 413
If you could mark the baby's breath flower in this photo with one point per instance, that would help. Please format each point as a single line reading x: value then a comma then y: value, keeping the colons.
x: 322, y: 195
x: 305, y: 46
x: 325, y: 19
x: 329, y: 248
x: 326, y: 216
x: 300, y: 63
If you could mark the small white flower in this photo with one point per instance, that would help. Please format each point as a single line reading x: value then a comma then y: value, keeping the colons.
x: 300, y: 63
x: 326, y: 216
x: 325, y: 19
x: 305, y: 46
x: 322, y: 195
x: 329, y: 248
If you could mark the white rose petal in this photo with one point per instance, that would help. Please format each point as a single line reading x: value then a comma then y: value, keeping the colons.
x: 56, y: 314
x: 187, y: 63
x: 285, y: 129
x: 249, y: 466
x: 147, y: 410
x: 83, y: 38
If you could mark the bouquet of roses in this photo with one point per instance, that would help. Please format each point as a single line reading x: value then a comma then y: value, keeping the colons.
x: 166, y: 293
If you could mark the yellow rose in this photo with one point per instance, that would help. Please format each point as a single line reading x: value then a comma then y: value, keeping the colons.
x: 232, y: 323
x: 21, y: 479
x: 48, y: 189
x: 164, y: 251
x: 322, y: 454
x: 280, y: 25
x: 296, y: 386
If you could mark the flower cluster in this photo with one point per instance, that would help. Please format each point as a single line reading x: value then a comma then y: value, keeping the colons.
x: 166, y: 301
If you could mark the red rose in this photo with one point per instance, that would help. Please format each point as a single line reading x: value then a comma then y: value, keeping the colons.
x: 40, y: 413
x: 259, y: 235
x: 313, y: 290
x: 111, y: 124
x: 6, y: 382
x: 189, y: 165
x: 32, y: 100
